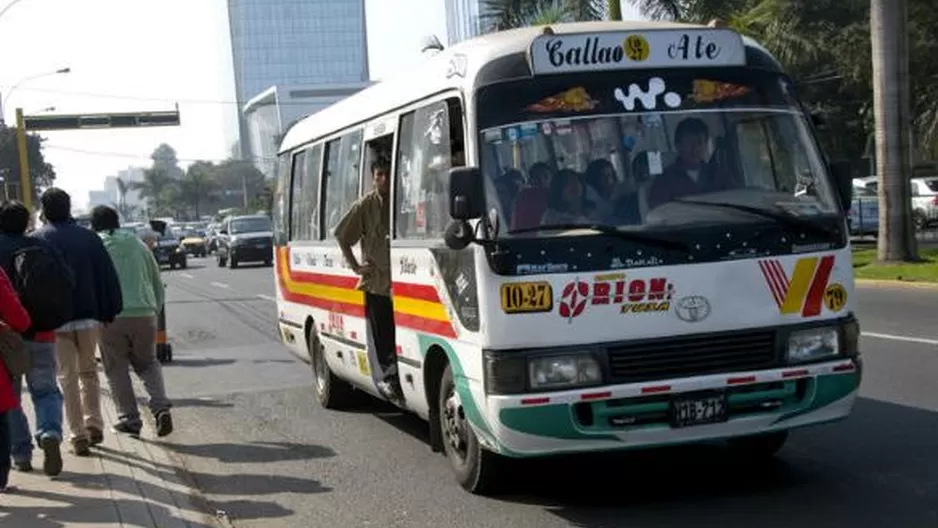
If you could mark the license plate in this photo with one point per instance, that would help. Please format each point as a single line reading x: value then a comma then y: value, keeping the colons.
x: 698, y: 409
x: 164, y: 258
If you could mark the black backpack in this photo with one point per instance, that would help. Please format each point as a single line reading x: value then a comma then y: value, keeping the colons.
x: 45, y: 287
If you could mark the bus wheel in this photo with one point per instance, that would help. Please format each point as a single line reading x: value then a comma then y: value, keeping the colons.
x: 332, y: 392
x: 475, y: 467
x: 759, y: 446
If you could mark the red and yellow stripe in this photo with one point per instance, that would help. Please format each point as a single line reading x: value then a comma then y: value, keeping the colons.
x: 416, y: 306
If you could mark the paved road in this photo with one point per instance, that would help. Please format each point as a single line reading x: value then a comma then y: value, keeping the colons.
x: 254, y: 440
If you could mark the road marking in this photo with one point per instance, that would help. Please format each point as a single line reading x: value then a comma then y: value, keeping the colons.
x: 267, y: 297
x: 219, y: 285
x: 187, y: 275
x: 907, y: 339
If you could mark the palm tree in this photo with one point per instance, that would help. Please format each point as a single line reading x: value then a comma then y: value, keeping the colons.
x: 198, y: 184
x: 614, y: 9
x: 499, y: 15
x: 154, y: 188
x: 891, y: 107
x: 777, y: 25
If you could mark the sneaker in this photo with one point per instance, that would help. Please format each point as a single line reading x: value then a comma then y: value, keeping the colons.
x: 127, y: 429
x: 52, y: 462
x: 81, y: 447
x: 164, y: 423
x: 95, y: 436
x: 24, y: 466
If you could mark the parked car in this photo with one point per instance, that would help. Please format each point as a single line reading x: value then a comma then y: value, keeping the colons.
x: 925, y: 201
x: 193, y: 242
x: 863, y: 216
x: 248, y: 238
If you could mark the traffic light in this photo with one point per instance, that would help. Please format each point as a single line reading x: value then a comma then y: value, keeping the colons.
x: 89, y: 121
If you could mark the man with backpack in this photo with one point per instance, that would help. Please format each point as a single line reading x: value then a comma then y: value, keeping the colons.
x: 97, y: 300
x: 45, y: 286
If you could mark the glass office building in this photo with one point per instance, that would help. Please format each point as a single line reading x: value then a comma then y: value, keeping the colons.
x: 318, y: 44
x: 463, y: 20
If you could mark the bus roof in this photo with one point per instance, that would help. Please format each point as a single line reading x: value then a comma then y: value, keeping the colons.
x: 436, y: 74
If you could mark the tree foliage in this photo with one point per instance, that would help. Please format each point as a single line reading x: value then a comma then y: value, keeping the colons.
x: 41, y: 173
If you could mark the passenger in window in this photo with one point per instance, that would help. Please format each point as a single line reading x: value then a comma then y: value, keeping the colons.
x: 604, y: 189
x: 690, y: 173
x: 508, y: 187
x: 540, y: 175
x: 368, y: 222
x: 567, y: 203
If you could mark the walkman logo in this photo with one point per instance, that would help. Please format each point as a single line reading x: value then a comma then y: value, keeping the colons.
x: 648, y: 98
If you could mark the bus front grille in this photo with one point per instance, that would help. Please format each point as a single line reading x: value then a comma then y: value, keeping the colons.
x: 696, y: 355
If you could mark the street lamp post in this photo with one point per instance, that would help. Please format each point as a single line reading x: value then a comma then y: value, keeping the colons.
x: 3, y: 102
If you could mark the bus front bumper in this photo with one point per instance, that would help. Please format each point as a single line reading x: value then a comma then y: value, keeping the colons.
x: 644, y: 414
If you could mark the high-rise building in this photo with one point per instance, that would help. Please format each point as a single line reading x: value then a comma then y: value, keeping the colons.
x: 319, y: 44
x: 463, y: 20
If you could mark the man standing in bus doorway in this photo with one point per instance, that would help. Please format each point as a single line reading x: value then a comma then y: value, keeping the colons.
x: 368, y: 222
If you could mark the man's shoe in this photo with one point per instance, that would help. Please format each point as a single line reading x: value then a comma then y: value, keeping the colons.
x: 52, y: 462
x: 24, y: 466
x: 164, y: 423
x: 127, y: 429
x: 95, y: 436
x: 391, y: 390
x: 82, y: 447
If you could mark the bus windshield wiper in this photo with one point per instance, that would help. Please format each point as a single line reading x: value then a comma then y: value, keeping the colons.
x: 632, y: 236
x: 779, y: 216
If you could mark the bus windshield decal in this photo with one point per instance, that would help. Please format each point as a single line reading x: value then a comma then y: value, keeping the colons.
x: 634, y: 49
x: 572, y: 100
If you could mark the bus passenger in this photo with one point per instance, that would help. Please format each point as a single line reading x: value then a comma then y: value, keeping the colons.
x: 690, y: 173
x: 368, y: 222
x: 567, y: 203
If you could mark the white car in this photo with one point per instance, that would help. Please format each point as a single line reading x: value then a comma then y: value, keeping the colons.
x: 925, y: 201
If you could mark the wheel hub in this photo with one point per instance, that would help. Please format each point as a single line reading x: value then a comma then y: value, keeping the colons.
x: 454, y: 425
x: 319, y: 366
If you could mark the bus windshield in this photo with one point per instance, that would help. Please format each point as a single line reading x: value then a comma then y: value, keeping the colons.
x: 643, y: 149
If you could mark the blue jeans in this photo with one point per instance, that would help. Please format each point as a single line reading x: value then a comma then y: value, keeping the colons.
x: 47, y: 402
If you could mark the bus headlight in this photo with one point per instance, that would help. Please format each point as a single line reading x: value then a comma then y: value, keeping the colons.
x: 813, y: 344
x: 567, y: 371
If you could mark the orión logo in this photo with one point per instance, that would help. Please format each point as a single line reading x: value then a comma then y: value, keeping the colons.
x: 802, y: 292
x: 636, y: 296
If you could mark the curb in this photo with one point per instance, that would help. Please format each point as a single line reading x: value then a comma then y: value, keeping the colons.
x: 883, y: 283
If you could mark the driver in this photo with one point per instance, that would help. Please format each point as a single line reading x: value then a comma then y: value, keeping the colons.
x: 690, y: 173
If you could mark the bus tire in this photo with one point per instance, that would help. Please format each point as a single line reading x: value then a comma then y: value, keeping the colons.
x: 475, y: 468
x: 332, y: 392
x: 761, y: 446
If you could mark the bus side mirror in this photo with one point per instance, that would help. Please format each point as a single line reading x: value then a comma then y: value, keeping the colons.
x: 843, y: 179
x: 466, y: 193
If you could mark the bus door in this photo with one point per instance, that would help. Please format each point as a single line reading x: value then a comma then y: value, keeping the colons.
x: 379, y: 145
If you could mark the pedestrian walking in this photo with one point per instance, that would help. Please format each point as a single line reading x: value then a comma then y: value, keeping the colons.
x: 44, y: 285
x: 130, y: 341
x: 97, y: 301
x: 13, y: 318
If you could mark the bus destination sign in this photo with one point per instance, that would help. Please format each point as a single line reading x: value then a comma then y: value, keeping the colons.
x: 637, y: 49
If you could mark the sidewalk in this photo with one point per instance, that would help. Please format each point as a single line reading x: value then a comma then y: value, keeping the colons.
x: 125, y: 483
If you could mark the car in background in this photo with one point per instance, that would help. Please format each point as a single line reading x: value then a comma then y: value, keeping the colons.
x: 166, y: 249
x: 247, y: 238
x: 193, y: 242
x: 925, y: 201
x: 863, y: 216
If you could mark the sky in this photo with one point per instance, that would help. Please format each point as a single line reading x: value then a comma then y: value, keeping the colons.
x: 149, y: 55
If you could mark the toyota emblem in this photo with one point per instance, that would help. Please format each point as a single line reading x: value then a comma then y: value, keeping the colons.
x: 692, y: 309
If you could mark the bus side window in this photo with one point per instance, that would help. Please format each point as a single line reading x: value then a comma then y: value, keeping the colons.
x: 343, y: 175
x: 426, y: 151
x: 282, y: 200
x: 310, y: 196
x: 298, y: 205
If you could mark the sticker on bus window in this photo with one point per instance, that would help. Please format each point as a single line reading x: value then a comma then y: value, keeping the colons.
x: 706, y: 91
x: 563, y: 127
x: 572, y: 100
x: 655, y: 167
x: 528, y: 130
x: 493, y: 136
x: 513, y: 134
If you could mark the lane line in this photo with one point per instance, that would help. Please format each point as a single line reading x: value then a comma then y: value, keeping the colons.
x: 187, y: 275
x: 267, y: 297
x: 220, y: 285
x: 893, y: 337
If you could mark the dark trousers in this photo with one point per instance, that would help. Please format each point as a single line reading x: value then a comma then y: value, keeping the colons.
x: 5, y: 448
x: 379, y: 311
